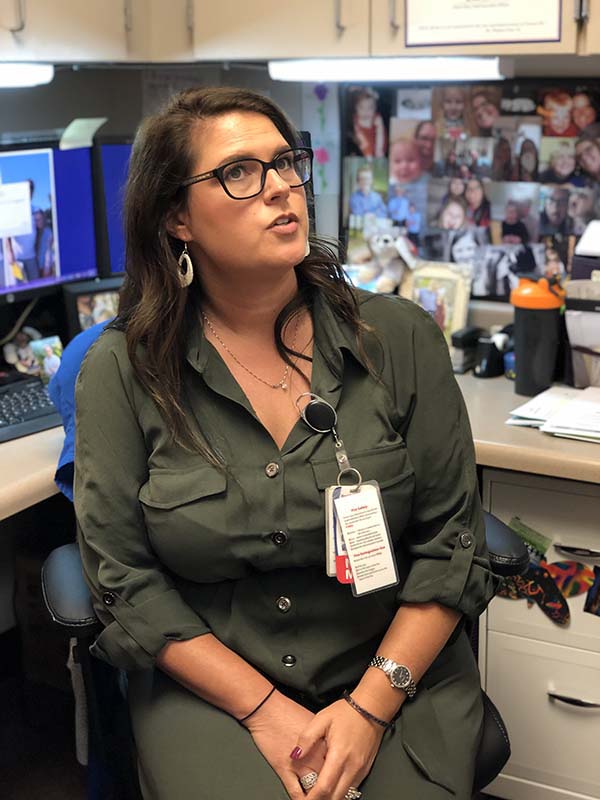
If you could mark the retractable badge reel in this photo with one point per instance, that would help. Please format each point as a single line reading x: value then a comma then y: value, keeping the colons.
x: 321, y: 417
x: 358, y: 546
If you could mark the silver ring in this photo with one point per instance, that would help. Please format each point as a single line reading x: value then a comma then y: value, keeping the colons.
x: 356, y: 473
x: 308, y: 781
x: 352, y: 794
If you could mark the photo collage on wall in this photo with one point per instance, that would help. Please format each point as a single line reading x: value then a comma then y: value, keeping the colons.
x: 500, y: 178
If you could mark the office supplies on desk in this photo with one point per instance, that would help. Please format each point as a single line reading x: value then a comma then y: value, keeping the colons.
x: 25, y: 408
x: 537, y: 332
x: 464, y: 345
x: 582, y: 319
x: 541, y: 408
x: 578, y: 419
x: 589, y: 244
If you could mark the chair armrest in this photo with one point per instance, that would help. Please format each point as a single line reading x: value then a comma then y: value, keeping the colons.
x: 66, y: 594
x: 494, y: 747
x: 508, y: 554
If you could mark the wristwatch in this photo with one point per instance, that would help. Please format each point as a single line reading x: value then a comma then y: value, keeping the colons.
x: 399, y: 674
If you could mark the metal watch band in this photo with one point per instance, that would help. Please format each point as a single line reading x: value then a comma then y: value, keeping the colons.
x: 388, y: 666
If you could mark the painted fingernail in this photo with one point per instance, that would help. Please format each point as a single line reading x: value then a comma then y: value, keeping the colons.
x: 296, y: 753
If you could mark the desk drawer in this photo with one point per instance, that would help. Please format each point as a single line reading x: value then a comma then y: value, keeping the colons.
x: 553, y: 743
x: 567, y: 512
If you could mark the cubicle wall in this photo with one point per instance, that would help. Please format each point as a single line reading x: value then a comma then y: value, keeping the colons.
x: 502, y: 177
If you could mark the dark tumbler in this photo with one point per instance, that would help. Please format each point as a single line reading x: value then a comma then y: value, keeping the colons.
x: 537, y: 329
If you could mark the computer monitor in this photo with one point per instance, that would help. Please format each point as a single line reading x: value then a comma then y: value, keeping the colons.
x: 110, y: 166
x: 47, y: 227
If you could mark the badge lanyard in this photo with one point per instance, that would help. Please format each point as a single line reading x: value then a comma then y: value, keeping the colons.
x: 322, y: 418
x: 358, y: 544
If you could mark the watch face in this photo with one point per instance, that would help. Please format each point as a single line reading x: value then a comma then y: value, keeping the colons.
x: 400, y: 677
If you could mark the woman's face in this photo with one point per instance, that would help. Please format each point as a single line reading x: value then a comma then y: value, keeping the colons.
x: 453, y: 217
x: 528, y: 156
x: 463, y: 251
x: 453, y: 104
x: 583, y: 112
x: 581, y: 203
x: 484, y: 110
x: 588, y: 156
x: 474, y: 194
x: 241, y: 235
x: 425, y: 140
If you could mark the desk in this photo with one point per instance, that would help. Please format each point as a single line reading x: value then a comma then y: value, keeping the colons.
x: 27, y: 467
x: 489, y: 402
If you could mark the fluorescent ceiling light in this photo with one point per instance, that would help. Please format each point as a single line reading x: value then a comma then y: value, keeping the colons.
x: 409, y: 68
x: 14, y: 76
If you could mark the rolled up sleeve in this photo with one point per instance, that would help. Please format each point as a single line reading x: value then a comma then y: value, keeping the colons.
x: 135, y: 599
x: 445, y: 540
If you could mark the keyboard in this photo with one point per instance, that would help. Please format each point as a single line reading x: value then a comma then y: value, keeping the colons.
x: 25, y: 407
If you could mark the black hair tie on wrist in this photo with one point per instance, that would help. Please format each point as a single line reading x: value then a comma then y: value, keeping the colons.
x: 367, y: 714
x: 260, y: 705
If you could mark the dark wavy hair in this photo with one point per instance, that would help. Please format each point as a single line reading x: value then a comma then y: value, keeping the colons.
x: 155, y: 313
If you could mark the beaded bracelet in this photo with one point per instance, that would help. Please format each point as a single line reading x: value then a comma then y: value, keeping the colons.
x: 367, y: 714
x: 262, y: 702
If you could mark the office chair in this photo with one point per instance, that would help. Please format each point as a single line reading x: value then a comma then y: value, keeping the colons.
x: 111, y: 748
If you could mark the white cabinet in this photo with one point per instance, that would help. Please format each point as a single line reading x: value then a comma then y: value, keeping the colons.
x: 554, y: 743
x: 63, y: 30
x: 388, y: 35
x: 525, y: 657
x: 263, y: 29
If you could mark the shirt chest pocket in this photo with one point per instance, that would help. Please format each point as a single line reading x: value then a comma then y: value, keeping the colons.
x: 390, y: 466
x: 186, y: 518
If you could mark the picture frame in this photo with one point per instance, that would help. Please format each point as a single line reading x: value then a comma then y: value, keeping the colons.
x: 443, y: 290
x: 90, y: 302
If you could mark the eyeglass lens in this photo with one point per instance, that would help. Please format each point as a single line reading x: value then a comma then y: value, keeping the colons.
x: 245, y: 178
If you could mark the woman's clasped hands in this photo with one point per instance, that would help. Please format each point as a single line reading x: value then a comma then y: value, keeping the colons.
x: 338, y: 744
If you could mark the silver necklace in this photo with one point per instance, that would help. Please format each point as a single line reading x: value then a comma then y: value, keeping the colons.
x: 282, y: 384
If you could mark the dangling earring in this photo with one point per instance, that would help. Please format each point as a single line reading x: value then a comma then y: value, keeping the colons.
x: 186, y: 268
x: 307, y: 251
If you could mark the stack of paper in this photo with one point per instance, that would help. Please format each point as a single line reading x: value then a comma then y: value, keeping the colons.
x: 541, y: 408
x: 562, y: 411
x: 578, y: 419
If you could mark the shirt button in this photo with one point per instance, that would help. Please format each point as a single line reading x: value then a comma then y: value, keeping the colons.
x: 272, y: 469
x: 288, y: 661
x: 279, y: 538
x: 108, y: 598
x: 283, y: 604
x: 466, y: 540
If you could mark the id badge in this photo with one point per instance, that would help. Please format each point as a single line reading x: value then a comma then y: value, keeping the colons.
x: 360, y: 516
x: 336, y: 556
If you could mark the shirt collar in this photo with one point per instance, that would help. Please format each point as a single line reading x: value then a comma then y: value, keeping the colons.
x: 333, y: 336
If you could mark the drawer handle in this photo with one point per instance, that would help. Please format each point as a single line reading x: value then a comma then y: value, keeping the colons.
x: 572, y: 701
x: 578, y: 551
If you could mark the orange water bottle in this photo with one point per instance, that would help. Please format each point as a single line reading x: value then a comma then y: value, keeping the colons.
x: 538, y: 303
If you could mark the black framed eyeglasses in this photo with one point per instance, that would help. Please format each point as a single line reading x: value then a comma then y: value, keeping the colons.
x: 246, y: 177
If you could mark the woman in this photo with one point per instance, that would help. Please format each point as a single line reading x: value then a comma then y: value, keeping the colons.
x: 502, y: 168
x: 478, y: 206
x: 199, y: 491
x: 528, y: 162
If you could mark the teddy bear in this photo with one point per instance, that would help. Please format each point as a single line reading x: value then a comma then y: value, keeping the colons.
x: 392, y: 256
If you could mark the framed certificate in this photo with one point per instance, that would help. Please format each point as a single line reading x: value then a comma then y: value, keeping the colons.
x: 472, y: 22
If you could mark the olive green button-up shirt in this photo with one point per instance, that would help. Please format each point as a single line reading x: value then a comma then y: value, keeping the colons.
x: 173, y: 547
